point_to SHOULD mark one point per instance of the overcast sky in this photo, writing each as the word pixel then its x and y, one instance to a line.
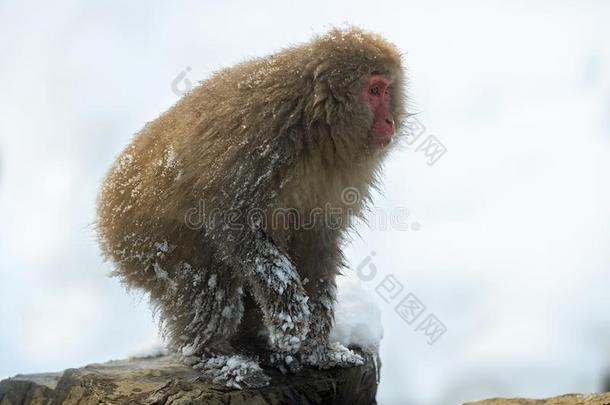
pixel 508 234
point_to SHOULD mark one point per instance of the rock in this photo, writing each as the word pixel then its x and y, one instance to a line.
pixel 163 380
pixel 569 399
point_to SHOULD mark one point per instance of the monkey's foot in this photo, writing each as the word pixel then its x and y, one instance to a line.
pixel 331 355
pixel 232 371
pixel 285 362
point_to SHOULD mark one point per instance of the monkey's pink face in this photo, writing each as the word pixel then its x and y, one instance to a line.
pixel 378 94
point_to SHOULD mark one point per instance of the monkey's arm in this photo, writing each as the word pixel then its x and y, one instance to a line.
pixel 255 173
pixel 277 289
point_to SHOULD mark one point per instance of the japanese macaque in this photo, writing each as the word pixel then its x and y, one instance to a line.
pixel 231 208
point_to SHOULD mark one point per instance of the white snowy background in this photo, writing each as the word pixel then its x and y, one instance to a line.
pixel 512 254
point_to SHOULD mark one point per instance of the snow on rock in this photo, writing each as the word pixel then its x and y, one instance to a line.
pixel 357 317
pixel 150 348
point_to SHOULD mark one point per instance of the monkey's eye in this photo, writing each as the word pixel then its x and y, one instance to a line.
pixel 375 90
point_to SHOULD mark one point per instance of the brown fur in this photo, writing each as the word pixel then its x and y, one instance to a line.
pixel 288 131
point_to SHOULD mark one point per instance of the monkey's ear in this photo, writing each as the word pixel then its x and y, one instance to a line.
pixel 320 70
pixel 316 106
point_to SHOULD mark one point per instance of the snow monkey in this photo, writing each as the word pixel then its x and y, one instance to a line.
pixel 220 209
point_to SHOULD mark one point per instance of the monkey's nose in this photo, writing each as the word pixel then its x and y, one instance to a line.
pixel 390 122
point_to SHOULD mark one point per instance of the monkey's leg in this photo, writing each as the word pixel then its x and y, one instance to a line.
pixel 200 311
pixel 318 351
pixel 277 289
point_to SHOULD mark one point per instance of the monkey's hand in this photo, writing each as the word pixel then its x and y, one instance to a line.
pixel 330 355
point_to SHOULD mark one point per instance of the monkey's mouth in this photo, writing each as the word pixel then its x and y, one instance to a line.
pixel 383 132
